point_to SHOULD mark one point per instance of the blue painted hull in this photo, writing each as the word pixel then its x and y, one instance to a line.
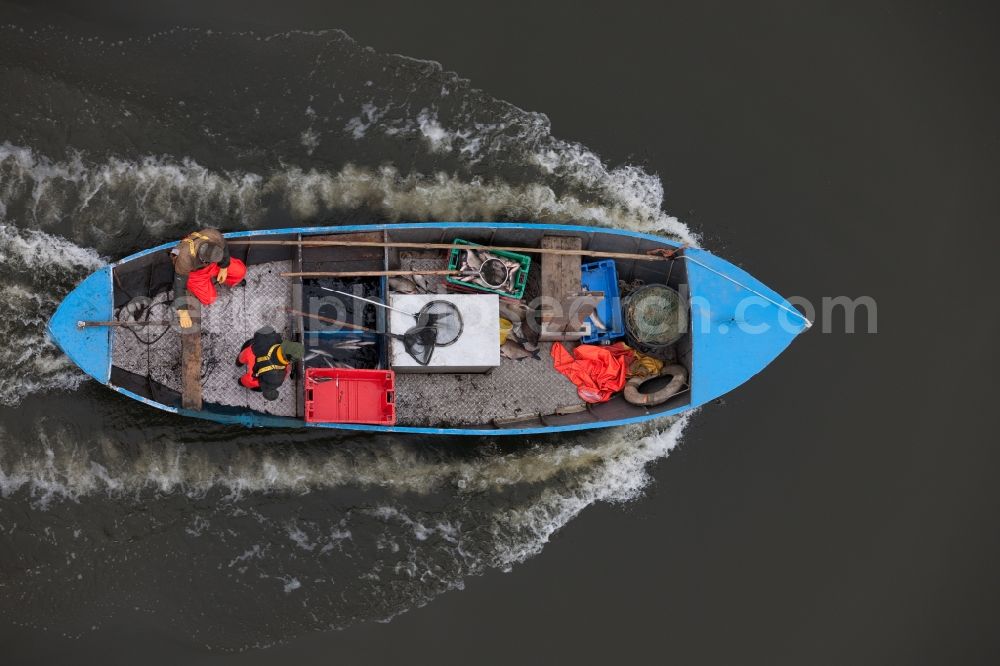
pixel 738 325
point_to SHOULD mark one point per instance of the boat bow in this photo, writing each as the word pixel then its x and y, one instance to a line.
pixel 738 325
pixel 89 348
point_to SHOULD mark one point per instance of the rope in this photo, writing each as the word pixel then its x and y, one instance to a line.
pixel 143 315
pixel 752 291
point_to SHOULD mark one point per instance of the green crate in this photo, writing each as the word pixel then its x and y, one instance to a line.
pixel 519 283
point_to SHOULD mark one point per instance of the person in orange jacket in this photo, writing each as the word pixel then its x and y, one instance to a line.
pixel 268 360
pixel 201 259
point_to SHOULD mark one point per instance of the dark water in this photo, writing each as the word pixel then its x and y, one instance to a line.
pixel 840 508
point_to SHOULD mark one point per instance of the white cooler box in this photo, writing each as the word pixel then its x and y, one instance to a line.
pixel 476 350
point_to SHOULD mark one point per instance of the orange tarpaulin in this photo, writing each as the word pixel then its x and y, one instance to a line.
pixel 598 372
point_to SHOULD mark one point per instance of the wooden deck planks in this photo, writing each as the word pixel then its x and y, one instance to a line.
pixel 191 370
pixel 561 274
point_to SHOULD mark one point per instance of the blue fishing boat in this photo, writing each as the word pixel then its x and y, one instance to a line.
pixel 515 367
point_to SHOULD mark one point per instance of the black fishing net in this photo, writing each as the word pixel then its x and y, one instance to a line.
pixel 445 318
pixel 419 343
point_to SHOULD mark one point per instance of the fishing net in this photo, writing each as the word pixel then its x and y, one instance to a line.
pixel 488 270
pixel 419 342
pixel 494 273
pixel 442 316
pixel 445 318
pixel 656 315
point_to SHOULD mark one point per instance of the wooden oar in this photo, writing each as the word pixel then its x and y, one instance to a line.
pixel 657 256
pixel 347 274
pixel 90 324
pixel 330 321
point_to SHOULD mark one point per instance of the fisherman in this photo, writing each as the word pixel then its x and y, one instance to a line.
pixel 268 360
pixel 200 257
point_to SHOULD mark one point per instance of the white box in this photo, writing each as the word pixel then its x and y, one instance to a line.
pixel 477 348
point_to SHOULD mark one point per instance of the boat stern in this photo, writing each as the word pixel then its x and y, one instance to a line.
pixel 738 325
pixel 89 348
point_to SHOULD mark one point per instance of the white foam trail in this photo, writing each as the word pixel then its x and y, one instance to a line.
pixel 445 197
pixel 509 532
pixel 30 250
pixel 359 125
pixel 101 199
pixel 620 475
pixel 627 196
pixel 69 470
pixel 105 198
pixel 438 138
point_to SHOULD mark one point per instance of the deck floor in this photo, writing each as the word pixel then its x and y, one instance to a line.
pixel 515 389
pixel 226 325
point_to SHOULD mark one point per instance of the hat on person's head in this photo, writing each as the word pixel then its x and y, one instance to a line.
pixel 270 394
pixel 293 350
pixel 210 253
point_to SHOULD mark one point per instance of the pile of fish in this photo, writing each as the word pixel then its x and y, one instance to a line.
pixel 411 284
pixel 522 341
pixel 350 344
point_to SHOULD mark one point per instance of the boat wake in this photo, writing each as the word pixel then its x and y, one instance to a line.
pixel 154 198
pixel 300 531
pixel 309 538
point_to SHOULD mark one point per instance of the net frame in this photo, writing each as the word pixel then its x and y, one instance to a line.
pixel 446 335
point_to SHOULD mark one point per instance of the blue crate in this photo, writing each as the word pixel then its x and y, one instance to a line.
pixel 603 276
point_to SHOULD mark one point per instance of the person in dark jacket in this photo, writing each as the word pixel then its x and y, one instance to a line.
pixel 201 258
pixel 269 360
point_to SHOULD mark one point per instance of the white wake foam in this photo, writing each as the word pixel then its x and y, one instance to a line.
pixel 69 470
pixel 618 475
pixel 165 196
pixel 102 199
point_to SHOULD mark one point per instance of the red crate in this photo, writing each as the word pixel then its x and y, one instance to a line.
pixel 335 395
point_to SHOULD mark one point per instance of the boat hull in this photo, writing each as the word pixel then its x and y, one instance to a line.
pixel 726 302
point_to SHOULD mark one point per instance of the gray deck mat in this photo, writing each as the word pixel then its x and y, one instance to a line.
pixel 516 388
pixel 226 325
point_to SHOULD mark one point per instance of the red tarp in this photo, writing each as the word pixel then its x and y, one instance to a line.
pixel 598 372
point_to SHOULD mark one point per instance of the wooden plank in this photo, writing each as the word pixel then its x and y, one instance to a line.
pixel 561 275
pixel 660 254
pixel 299 334
pixel 346 257
pixel 191 370
pixel 353 274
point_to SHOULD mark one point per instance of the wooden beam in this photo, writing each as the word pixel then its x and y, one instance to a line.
pixel 668 254
pixel 327 320
pixel 125 324
pixel 344 274
pixel 191 370
pixel 561 275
